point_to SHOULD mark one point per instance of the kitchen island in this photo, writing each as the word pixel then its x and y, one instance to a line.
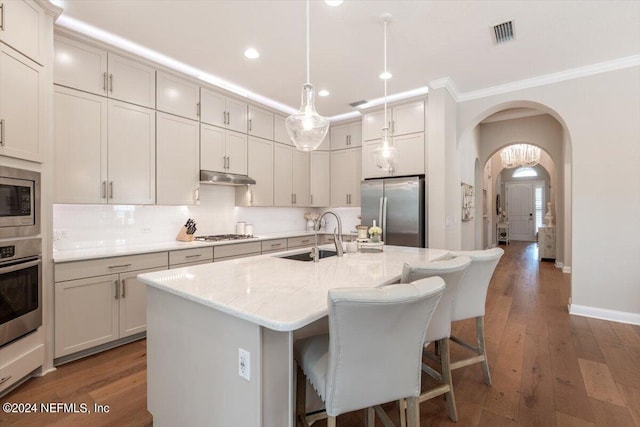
pixel 200 318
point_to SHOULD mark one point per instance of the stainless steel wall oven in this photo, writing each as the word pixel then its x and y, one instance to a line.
pixel 20 288
pixel 19 202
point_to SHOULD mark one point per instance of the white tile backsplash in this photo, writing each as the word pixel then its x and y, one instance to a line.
pixel 95 226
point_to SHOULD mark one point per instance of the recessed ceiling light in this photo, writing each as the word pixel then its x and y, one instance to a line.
pixel 323 92
pixel 333 3
pixel 251 53
pixel 385 75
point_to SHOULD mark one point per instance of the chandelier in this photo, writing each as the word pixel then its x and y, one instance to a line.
pixel 386 155
pixel 520 155
pixel 307 128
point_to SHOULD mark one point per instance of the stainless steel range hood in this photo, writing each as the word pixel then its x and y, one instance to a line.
pixel 224 178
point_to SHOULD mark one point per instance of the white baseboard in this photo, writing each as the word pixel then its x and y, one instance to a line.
pixel 564 268
pixel 605 314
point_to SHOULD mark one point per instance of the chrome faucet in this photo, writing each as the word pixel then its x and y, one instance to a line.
pixel 315 252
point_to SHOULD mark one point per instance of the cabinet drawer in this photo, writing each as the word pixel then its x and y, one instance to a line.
pixel 274 245
pixel 298 242
pixel 236 249
pixel 190 264
pixel 16 369
pixel 99 267
pixel 190 255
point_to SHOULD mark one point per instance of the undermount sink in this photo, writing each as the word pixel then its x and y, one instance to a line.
pixel 306 256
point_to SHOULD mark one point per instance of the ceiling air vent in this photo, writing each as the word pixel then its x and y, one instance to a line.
pixel 503 32
pixel 358 103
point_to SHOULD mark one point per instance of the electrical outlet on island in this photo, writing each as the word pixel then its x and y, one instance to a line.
pixel 244 364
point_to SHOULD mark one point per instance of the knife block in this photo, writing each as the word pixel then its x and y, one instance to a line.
pixel 183 236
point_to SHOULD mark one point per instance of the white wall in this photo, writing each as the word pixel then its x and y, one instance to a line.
pixel 600 115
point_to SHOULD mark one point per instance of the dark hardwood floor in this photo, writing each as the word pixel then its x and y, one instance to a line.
pixel 548 368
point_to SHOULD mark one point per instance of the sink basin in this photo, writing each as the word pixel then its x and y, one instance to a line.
pixel 306 256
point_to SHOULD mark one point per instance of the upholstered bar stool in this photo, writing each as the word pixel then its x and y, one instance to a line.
pixel 439 330
pixel 373 351
pixel 470 304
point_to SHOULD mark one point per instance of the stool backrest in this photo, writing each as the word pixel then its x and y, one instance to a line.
pixel 452 271
pixel 475 283
pixel 375 345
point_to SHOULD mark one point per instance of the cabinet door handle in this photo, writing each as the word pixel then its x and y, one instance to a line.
pixel 124 288
pixel 275 245
pixel 311 198
pixel 193 256
pixel 228 117
pixel 393 127
pixel 2 28
pixel 2 132
pixel 228 162
pixel 104 189
pixel 119 266
pixel 250 197
pixel 104 81
pixel 116 296
pixel 111 83
pixel 7 378
pixel 198 109
pixel 250 125
pixel 111 189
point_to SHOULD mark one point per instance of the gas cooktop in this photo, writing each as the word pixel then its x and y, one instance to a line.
pixel 223 237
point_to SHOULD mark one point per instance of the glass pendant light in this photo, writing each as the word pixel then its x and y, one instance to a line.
pixel 386 155
pixel 307 128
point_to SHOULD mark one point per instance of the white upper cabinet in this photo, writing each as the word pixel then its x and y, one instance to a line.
pixel 280 133
pixel 260 122
pixel 222 150
pixel 219 110
pixel 291 176
pixel 20 106
pixel 403 119
pixel 260 168
pixel 410 156
pixel 81 66
pixel 80 152
pixel 282 175
pixel 20 27
pixel 131 154
pixel 104 150
pixel 346 174
pixel 319 179
pixel 178 160
pixel 178 96
pixel 346 136
pixel 131 81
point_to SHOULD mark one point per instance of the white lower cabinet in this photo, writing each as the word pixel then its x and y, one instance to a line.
pixel 178 160
pixel 236 250
pixel 100 308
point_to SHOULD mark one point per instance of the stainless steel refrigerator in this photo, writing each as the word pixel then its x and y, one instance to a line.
pixel 398 207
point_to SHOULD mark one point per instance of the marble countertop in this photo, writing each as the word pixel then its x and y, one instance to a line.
pixel 282 294
pixel 69 255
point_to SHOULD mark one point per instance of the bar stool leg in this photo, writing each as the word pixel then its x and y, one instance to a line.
pixel 331 421
pixel 370 417
pixel 413 412
pixel 301 398
pixel 446 376
pixel 482 349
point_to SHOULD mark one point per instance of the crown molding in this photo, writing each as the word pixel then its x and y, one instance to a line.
pixel 574 73
pixel 50 8
pixel 446 83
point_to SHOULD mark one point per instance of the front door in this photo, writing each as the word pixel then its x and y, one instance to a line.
pixel 520 203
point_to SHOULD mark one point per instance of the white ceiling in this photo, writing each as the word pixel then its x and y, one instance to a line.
pixel 427 40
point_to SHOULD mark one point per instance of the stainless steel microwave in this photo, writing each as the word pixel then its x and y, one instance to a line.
pixel 19 202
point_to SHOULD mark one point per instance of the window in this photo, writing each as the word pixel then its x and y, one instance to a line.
pixel 539 204
pixel 524 172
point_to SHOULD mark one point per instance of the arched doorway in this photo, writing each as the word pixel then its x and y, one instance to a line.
pixel 536 124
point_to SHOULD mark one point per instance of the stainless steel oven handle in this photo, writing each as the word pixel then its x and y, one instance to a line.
pixel 20 266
